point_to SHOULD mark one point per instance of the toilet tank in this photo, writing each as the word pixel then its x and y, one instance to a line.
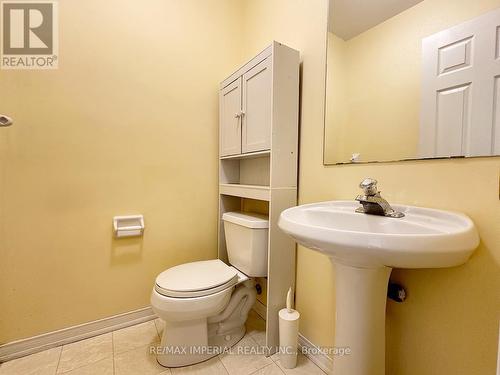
pixel 246 242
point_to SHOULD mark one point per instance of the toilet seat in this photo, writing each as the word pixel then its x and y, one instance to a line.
pixel 196 279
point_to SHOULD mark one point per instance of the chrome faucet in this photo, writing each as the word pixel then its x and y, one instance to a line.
pixel 372 202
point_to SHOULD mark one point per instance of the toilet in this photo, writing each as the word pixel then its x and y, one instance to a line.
pixel 205 304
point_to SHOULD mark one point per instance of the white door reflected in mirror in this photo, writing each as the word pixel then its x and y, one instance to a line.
pixel 412 80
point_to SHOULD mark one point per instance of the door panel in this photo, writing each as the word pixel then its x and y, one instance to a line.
pixel 460 90
pixel 230 119
pixel 452 121
pixel 256 121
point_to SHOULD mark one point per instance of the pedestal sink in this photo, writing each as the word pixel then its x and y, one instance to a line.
pixel 364 249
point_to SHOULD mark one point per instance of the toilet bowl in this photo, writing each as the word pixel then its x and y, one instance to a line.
pixel 205 304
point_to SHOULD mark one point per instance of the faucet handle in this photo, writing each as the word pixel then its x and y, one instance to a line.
pixel 369 186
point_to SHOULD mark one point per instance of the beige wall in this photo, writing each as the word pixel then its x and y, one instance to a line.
pixel 128 124
pixel 449 325
pixel 337 132
pixel 378 96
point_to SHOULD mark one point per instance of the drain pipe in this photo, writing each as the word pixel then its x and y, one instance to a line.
pixel 396 292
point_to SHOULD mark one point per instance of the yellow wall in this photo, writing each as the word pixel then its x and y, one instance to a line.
pixel 449 325
pixel 128 124
pixel 379 92
pixel 337 102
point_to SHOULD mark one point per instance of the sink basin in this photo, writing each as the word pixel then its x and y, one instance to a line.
pixel 423 238
pixel 364 249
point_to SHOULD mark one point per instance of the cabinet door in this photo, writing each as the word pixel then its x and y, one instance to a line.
pixel 230 119
pixel 256 119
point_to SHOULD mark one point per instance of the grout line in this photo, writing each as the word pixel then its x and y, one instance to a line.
pixel 309 360
pixel 255 341
pixel 59 359
pixel 157 330
pixel 149 345
pixel 113 343
pixel 320 369
pixel 258 345
pixel 138 347
pixel 279 368
pixel 266 366
pixel 222 363
pixel 86 364
pixel 113 349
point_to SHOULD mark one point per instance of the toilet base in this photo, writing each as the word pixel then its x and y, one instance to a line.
pixel 180 355
pixel 185 343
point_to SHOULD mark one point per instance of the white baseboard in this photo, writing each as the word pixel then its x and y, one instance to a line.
pixel 315 355
pixel 31 345
pixel 260 309
pixel 65 336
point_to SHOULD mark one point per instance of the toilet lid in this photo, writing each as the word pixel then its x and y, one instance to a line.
pixel 196 279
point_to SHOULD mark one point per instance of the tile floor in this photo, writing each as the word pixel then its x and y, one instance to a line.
pixel 126 352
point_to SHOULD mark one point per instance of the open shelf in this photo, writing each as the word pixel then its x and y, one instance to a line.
pixel 246 191
pixel 246 156
pixel 250 171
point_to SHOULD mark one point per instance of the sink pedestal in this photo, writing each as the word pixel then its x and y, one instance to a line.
pixel 361 295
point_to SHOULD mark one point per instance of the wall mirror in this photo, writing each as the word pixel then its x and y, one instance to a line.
pixel 412 79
